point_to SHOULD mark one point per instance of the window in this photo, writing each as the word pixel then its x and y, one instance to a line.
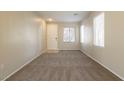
pixel 69 34
pixel 82 34
pixel 99 30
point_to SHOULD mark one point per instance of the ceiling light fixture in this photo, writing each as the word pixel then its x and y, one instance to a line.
pixel 50 19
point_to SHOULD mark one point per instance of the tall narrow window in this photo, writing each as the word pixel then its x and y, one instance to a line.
pixel 99 30
pixel 82 34
pixel 69 34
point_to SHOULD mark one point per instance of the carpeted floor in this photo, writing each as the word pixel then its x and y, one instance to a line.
pixel 63 66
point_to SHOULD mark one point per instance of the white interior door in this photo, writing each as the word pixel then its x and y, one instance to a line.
pixel 52 36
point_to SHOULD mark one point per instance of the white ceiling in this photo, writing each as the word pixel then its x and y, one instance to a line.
pixel 64 16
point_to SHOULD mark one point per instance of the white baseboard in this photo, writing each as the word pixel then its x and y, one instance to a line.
pixel 45 50
pixel 23 65
pixel 102 65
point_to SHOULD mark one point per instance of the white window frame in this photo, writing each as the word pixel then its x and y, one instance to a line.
pixel 69 36
pixel 98 24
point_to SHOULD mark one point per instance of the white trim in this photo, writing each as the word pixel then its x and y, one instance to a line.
pixel 45 50
pixel 102 65
pixel 52 51
pixel 23 65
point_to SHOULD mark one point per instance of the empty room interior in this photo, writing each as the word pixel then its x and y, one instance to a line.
pixel 61 46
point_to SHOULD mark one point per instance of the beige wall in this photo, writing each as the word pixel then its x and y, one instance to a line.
pixel 68 46
pixel 112 55
pixel 22 38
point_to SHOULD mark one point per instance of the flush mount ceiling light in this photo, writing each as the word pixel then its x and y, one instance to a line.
pixel 50 19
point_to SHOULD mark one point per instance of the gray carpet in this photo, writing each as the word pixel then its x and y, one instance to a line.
pixel 63 66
